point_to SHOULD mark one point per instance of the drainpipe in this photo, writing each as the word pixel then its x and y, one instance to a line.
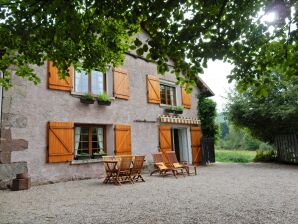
pixel 1 103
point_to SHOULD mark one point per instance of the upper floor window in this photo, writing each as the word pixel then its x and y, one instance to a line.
pixel 93 83
pixel 168 94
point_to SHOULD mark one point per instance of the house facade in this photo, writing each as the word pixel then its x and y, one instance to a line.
pixel 54 136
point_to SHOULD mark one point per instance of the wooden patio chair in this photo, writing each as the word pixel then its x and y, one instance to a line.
pixel 160 166
pixel 124 171
pixel 137 167
pixel 111 172
pixel 173 162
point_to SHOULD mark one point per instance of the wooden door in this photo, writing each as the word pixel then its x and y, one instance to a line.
pixel 165 140
pixel 196 135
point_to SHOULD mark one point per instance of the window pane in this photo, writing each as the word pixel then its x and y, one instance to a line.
pixel 81 82
pixel 163 94
pixel 84 131
pixel 169 102
pixel 171 95
pixel 97 82
pixel 84 145
pixel 94 145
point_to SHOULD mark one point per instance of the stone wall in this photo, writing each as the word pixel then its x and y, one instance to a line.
pixel 28 108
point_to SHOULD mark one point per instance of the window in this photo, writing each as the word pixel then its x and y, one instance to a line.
pixel 168 95
pixel 93 84
pixel 89 141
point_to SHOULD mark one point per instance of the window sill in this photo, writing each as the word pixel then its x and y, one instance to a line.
pixel 76 94
pixel 166 105
pixel 85 161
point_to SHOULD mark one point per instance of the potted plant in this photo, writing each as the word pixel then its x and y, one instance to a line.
pixel 97 155
pixel 174 110
pixel 170 109
pixel 179 110
pixel 104 99
pixel 82 156
pixel 87 99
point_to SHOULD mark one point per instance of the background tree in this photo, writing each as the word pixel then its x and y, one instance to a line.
pixel 224 129
pixel 93 33
pixel 267 116
pixel 207 115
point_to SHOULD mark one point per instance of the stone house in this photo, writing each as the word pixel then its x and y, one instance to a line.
pixel 49 132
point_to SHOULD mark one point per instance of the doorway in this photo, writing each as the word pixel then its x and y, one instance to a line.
pixel 181 144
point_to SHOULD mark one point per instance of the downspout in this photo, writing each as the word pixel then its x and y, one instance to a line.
pixel 1 90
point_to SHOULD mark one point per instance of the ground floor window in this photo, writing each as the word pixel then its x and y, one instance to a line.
pixel 89 141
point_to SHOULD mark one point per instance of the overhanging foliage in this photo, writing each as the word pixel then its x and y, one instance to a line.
pixel 93 33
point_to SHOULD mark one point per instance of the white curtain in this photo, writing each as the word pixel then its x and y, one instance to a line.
pixel 100 139
pixel 77 139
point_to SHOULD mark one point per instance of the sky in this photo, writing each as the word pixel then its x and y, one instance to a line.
pixel 215 76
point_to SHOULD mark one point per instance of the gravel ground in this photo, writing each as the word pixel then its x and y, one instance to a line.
pixel 220 193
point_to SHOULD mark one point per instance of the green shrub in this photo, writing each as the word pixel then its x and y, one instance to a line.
pixel 265 146
pixel 265 155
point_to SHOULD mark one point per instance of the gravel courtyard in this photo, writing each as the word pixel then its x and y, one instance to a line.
pixel 220 193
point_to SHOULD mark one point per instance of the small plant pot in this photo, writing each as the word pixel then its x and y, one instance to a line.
pixel 82 157
pixel 178 112
pixel 105 103
pixel 87 101
pixel 169 111
pixel 97 156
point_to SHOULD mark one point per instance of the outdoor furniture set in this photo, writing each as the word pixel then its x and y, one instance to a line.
pixel 168 162
pixel 126 168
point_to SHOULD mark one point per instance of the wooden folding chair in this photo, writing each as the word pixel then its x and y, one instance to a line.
pixel 160 166
pixel 110 168
pixel 137 167
pixel 124 171
pixel 173 162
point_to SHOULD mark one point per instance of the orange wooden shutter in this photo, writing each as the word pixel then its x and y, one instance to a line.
pixel 121 83
pixel 196 135
pixel 54 82
pixel 186 101
pixel 61 139
pixel 153 89
pixel 122 140
pixel 165 140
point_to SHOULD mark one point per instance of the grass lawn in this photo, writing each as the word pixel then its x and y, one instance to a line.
pixel 234 156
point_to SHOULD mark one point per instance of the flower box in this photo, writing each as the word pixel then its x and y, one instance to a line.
pixel 105 103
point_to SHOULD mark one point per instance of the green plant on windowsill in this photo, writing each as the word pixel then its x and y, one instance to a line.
pixel 175 109
pixel 82 156
pixel 97 155
pixel 104 99
pixel 87 99
pixel 179 109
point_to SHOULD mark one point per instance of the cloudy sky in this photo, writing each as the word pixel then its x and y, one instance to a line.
pixel 215 77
